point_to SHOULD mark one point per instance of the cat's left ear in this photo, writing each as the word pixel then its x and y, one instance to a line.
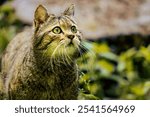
pixel 69 11
pixel 40 15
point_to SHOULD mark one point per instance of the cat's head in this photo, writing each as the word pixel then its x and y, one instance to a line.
pixel 56 36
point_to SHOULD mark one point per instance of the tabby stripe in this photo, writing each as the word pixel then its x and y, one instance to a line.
pixel 63 22
pixel 39 40
pixel 70 19
pixel 45 46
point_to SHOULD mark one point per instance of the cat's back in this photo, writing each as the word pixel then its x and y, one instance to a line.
pixel 16 49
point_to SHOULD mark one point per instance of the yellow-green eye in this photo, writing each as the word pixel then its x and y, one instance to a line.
pixel 57 30
pixel 74 29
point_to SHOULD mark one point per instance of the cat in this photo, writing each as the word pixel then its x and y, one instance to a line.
pixel 40 64
pixel 1 88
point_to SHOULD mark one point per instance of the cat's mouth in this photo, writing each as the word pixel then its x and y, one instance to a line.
pixel 70 43
pixel 73 42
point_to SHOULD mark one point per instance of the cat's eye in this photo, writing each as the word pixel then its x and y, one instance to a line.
pixel 74 29
pixel 57 30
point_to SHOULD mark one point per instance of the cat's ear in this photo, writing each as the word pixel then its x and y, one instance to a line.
pixel 40 15
pixel 69 11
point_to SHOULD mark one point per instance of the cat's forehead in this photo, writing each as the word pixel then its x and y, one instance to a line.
pixel 66 20
pixel 62 21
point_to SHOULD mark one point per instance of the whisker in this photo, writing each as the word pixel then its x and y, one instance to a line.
pixel 57 48
pixel 63 55
pixel 51 63
pixel 86 49
pixel 55 59
pixel 87 52
pixel 66 56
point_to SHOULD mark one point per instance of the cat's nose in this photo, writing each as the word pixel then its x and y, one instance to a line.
pixel 70 36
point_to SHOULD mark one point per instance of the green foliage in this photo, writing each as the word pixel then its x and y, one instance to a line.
pixel 9 25
pixel 108 75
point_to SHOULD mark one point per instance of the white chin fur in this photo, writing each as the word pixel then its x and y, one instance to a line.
pixel 75 41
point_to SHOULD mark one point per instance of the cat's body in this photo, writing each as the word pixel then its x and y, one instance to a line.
pixel 41 63
pixel 1 88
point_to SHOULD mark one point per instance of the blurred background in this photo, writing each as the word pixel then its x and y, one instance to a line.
pixel 118 33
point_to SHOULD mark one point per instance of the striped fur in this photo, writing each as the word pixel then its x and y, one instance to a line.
pixel 40 64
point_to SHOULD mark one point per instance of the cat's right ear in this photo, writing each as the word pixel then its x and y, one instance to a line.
pixel 70 10
pixel 40 16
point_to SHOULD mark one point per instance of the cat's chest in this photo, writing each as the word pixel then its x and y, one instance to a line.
pixel 60 80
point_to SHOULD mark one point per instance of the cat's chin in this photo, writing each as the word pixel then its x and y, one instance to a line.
pixel 68 50
pixel 70 45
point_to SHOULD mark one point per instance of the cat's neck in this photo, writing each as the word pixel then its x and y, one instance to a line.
pixel 44 63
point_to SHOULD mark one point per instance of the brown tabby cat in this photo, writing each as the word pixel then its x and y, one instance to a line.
pixel 1 88
pixel 41 63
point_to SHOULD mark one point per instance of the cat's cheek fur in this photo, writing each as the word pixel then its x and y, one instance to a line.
pixel 76 42
pixel 71 50
pixel 52 49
